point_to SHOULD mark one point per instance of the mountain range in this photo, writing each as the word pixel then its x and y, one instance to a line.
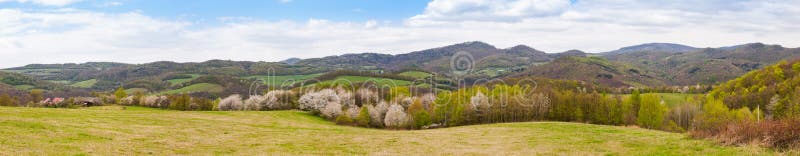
pixel 652 64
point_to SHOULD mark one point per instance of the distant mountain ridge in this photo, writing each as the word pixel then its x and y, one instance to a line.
pixel 653 47
pixel 650 64
pixel 706 65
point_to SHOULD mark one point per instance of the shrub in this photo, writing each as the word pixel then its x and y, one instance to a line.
pixel 128 101
pixel 215 104
pixel 344 119
pixel 377 113
pixel 397 92
pixel 406 101
pixel 316 101
pixel 714 117
pixel 202 104
pixel 781 134
pixel 363 117
pixel 163 102
pixel 396 117
pixel 352 112
pixel 120 93
pixel 365 96
pixel 150 101
pixel 254 103
pixel 87 101
pixel 428 101
pixel 278 100
pixel 346 98
pixel 181 102
pixel 421 119
pixel 332 110
pixel 231 103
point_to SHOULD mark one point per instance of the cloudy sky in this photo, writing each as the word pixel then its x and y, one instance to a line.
pixel 138 31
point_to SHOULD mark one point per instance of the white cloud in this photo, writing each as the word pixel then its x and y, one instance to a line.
pixel 491 10
pixel 109 4
pixel 70 35
pixel 45 2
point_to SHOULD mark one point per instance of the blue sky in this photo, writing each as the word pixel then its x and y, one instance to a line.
pixel 140 31
pixel 342 10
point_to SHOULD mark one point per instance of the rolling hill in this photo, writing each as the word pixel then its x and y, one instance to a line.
pixel 681 66
pixel 652 64
pixel 594 70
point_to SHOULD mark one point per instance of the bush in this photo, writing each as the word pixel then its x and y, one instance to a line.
pixel 781 134
pixel 428 101
pixel 363 117
pixel 332 110
pixel 150 101
pixel 231 103
pixel 396 117
pixel 365 96
pixel 421 119
pixel 377 113
pixel 352 112
pixel 346 98
pixel 201 104
pixel 254 103
pixel 181 102
pixel 344 119
pixel 128 101
pixel 279 100
pixel 316 101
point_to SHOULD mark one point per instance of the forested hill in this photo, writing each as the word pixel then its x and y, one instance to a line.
pixel 681 65
pixel 653 64
pixel 775 88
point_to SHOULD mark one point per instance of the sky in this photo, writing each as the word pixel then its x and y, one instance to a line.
pixel 139 31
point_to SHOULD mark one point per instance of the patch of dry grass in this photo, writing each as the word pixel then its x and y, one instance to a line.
pixel 137 131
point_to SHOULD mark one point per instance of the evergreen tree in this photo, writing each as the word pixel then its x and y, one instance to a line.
pixel 363 117
pixel 119 94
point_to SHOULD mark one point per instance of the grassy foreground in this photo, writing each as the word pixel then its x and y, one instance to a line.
pixel 136 131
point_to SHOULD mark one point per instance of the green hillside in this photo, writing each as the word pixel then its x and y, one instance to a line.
pixel 84 84
pixel 416 74
pixel 362 79
pixel 184 80
pixel 111 130
pixel 280 80
pixel 200 87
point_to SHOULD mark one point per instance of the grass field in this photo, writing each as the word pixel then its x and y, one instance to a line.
pixel 111 130
pixel 84 84
pixel 180 81
pixel 359 79
pixel 416 74
pixel 24 87
pixel 280 80
pixel 200 87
